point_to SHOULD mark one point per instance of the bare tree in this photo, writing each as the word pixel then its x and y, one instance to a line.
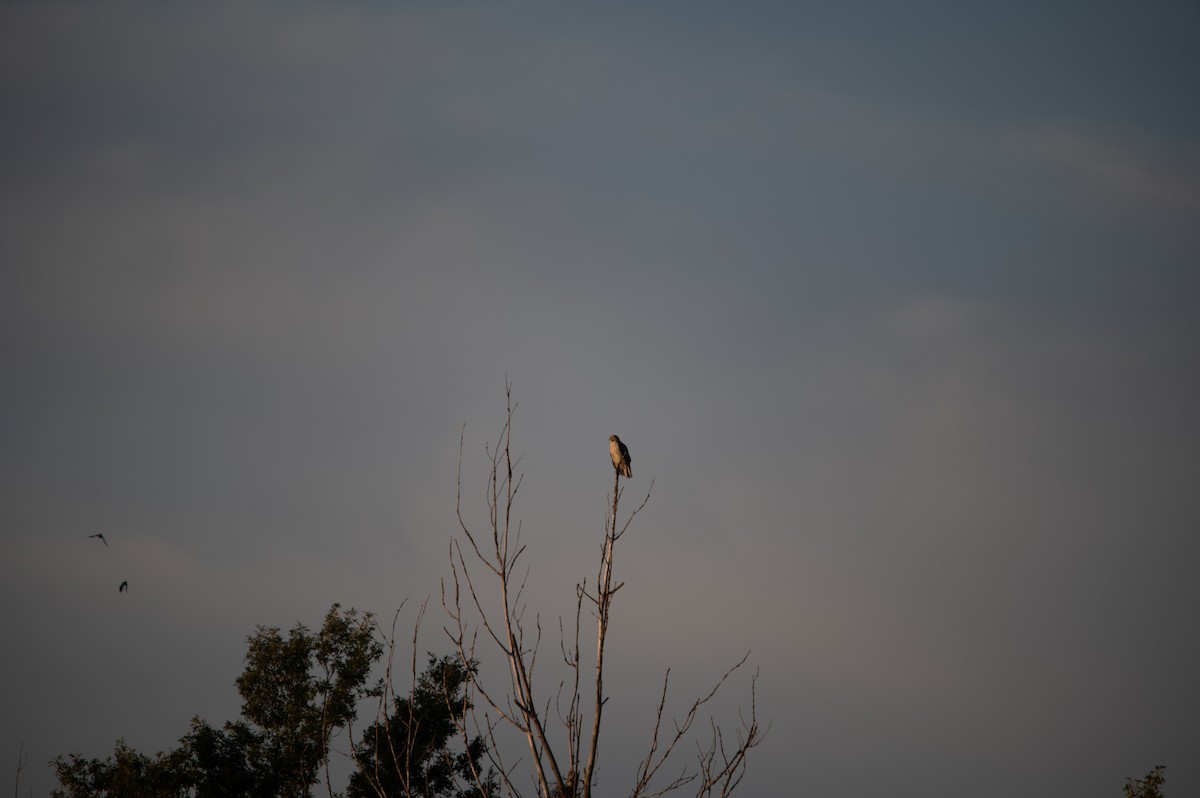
pixel 563 758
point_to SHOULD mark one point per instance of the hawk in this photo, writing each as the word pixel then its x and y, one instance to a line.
pixel 620 456
pixel 123 588
pixel 101 536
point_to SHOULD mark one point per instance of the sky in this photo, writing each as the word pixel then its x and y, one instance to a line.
pixel 895 304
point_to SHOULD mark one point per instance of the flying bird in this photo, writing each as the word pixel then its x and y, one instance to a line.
pixel 101 536
pixel 124 588
pixel 620 456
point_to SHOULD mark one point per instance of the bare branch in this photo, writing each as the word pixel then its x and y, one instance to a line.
pixel 719 766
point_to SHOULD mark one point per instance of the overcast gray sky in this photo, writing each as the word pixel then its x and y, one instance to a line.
pixel 895 303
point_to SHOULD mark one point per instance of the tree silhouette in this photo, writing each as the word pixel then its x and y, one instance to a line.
pixel 296 691
pixel 1147 787
pixel 411 752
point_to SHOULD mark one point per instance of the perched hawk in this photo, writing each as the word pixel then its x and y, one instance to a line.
pixel 620 456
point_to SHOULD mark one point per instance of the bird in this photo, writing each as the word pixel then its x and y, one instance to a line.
pixel 101 536
pixel 124 588
pixel 620 456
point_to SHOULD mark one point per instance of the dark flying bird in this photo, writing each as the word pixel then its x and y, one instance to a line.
pixel 620 456
pixel 124 588
pixel 101 536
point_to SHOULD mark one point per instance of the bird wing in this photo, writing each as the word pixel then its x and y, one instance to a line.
pixel 620 456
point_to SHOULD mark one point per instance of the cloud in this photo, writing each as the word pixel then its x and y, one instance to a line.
pixel 1122 177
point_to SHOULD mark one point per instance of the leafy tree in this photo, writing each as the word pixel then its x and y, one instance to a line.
pixel 1147 787
pixel 126 773
pixel 296 692
pixel 299 689
pixel 224 762
pixel 409 753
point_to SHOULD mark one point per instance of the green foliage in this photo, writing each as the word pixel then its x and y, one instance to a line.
pixel 409 753
pixel 296 692
pixel 300 688
pixel 126 774
pixel 225 762
pixel 1147 787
